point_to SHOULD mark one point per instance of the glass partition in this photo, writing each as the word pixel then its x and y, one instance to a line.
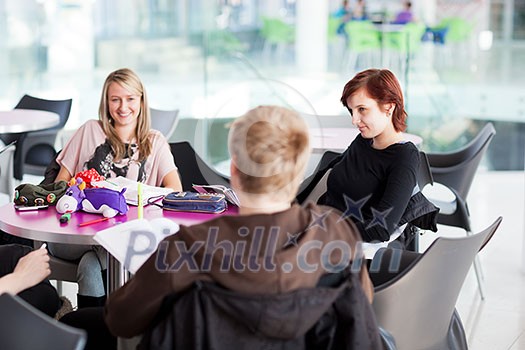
pixel 214 59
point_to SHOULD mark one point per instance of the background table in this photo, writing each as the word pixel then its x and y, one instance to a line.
pixel 44 225
pixel 25 120
pixel 21 121
pixel 338 139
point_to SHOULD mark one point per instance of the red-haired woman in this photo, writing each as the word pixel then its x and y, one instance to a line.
pixel 374 181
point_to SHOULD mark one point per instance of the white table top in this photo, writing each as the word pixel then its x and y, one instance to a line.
pixel 338 139
pixel 24 120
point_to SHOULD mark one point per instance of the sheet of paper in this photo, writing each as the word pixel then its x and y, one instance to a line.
pixel 133 242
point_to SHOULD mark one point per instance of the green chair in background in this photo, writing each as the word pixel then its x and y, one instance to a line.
pixel 336 42
pixel 405 43
pixel 454 35
pixel 223 43
pixel 407 40
pixel 364 38
pixel 276 32
pixel 333 24
pixel 455 30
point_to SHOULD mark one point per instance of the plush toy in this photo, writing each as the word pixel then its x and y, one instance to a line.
pixel 92 200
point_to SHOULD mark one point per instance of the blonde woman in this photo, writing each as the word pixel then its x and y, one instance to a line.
pixel 119 143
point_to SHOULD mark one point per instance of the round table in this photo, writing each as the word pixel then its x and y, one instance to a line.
pixel 24 120
pixel 44 225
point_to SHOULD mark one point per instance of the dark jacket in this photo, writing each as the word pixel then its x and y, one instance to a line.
pixel 211 317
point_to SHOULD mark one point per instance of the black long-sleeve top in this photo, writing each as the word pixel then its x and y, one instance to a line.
pixel 373 187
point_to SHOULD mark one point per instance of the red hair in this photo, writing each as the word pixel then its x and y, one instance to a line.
pixel 382 86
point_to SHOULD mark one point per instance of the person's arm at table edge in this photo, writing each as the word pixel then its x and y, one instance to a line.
pixel 172 180
pixel 30 270
pixel 63 174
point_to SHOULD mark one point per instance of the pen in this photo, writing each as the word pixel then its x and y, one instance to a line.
pixel 86 223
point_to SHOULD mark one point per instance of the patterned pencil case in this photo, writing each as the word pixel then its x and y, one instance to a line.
pixel 195 202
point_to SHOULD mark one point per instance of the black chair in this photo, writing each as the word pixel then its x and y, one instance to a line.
pixel 35 150
pixel 314 182
pixel 416 302
pixel 24 327
pixel 456 170
pixel 424 175
pixel 193 169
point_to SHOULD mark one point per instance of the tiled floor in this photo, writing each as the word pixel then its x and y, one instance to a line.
pixel 498 323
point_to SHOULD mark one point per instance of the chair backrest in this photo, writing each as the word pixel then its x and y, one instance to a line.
pixel 311 182
pixel 333 24
pixel 193 169
pixel 277 31
pixel 164 121
pixel 51 171
pixel 407 40
pixel 24 327
pixel 417 305
pixel 457 169
pixel 458 29
pixel 60 107
pixel 424 176
pixel 319 189
pixel 363 36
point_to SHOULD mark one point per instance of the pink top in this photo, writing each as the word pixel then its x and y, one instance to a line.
pixel 88 149
pixel 44 225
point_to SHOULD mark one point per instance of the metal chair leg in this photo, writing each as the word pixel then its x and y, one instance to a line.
pixel 59 287
pixel 479 276
pixel 479 273
pixel 477 262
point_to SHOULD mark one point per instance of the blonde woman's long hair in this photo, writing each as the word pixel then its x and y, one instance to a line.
pixel 130 81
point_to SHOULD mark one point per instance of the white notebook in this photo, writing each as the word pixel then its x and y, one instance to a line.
pixel 131 194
